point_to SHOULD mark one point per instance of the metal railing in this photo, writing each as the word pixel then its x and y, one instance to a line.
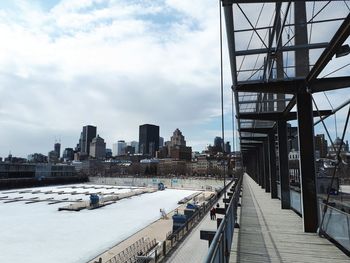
pixel 336 226
pixel 175 238
pixel 219 250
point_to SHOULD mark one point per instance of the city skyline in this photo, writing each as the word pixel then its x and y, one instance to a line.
pixel 114 65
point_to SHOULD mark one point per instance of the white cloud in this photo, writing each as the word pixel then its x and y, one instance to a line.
pixel 114 64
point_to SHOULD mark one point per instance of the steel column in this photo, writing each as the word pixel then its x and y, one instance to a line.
pixel 283 163
pixel 272 161
pixel 307 162
pixel 305 127
pixel 267 166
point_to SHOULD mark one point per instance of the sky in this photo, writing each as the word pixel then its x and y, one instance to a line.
pixel 115 64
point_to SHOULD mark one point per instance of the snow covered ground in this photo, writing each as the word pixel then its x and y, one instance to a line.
pixel 345 189
pixel 38 232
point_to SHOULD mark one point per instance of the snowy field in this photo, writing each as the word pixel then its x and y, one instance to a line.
pixel 345 189
pixel 38 232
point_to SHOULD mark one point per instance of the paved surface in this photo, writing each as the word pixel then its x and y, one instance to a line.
pixel 270 234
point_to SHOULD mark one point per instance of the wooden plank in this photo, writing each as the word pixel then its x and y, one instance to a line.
pixel 270 234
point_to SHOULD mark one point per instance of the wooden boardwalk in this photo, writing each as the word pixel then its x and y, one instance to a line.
pixel 270 234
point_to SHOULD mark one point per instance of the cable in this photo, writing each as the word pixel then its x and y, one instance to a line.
pixel 336 70
pixel 233 122
pixel 347 5
pixel 313 12
pixel 222 95
pixel 335 115
pixel 324 125
pixel 251 37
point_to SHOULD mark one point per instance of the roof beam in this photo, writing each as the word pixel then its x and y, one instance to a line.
pixel 293 86
pixel 290 86
pixel 336 42
pixel 283 49
pixel 275 116
pixel 256 130
pixel 259 138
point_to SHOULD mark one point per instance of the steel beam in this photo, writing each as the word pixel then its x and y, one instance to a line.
pixel 282 49
pixel 325 84
pixel 290 86
pixel 275 116
pixel 283 163
pixel 256 130
pixel 259 138
pixel 338 39
pixel 334 111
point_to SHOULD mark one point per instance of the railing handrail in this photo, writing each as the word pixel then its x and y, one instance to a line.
pixel 334 208
pixel 219 233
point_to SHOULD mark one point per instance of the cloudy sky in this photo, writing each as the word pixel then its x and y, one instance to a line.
pixel 115 64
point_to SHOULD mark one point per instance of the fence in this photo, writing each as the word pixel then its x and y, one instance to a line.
pixel 219 249
pixel 336 226
pixel 142 247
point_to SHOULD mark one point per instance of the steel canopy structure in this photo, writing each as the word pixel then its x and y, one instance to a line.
pixel 281 53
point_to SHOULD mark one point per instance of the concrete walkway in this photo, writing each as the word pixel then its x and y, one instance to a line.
pixel 269 234
pixel 193 249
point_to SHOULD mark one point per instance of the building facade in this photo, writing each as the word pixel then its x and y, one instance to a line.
pixel 68 154
pixel 321 146
pixel 86 136
pixel 148 139
pixel 98 148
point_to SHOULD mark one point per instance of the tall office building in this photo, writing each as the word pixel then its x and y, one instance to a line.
pixel 98 148
pixel 148 139
pixel 135 144
pixel 218 144
pixel 161 142
pixel 86 136
pixel 57 149
pixel 121 145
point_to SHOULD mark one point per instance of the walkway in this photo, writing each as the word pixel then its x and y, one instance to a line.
pixel 193 249
pixel 270 234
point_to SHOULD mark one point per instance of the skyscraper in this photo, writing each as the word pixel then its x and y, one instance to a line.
pixel 57 149
pixel 121 147
pixel 98 148
pixel 88 133
pixel 218 144
pixel 148 139
pixel 135 145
